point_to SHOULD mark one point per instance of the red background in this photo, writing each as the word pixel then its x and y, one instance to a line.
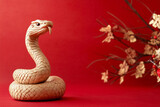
pixel 70 48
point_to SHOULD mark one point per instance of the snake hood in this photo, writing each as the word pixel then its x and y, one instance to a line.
pixel 39 27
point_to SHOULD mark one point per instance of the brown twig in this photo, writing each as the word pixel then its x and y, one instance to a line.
pixel 100 35
pixel 125 44
pixel 95 62
pixel 135 11
pixel 142 39
pixel 118 19
pixel 145 6
pixel 115 79
pixel 137 27
pixel 100 23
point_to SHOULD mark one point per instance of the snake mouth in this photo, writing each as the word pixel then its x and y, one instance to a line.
pixel 49 26
pixel 50 29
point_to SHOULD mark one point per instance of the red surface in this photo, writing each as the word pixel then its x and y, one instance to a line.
pixel 70 49
pixel 91 96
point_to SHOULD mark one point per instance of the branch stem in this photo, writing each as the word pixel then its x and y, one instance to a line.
pixel 135 11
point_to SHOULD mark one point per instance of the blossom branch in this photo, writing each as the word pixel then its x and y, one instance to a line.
pixel 133 61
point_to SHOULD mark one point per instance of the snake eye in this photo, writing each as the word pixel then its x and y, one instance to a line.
pixel 38 24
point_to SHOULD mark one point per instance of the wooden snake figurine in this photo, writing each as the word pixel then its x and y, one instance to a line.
pixel 36 83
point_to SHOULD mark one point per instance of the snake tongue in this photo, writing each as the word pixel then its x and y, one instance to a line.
pixel 50 29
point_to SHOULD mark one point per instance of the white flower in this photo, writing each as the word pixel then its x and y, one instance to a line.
pixel 108 30
pixel 129 35
pixel 140 70
pixel 132 39
pixel 155 22
pixel 121 79
pixel 131 53
pixel 105 29
pixel 158 79
pixel 148 50
pixel 153 72
pixel 108 38
pixel 105 76
pixel 123 70
pixel 157 53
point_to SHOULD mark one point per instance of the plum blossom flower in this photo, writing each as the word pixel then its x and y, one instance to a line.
pixel 123 70
pixel 140 70
pixel 132 39
pixel 153 72
pixel 155 22
pixel 107 30
pixel 130 61
pixel 118 29
pixel 108 38
pixel 157 53
pixel 154 42
pixel 148 50
pixel 157 34
pixel 129 35
pixel 131 54
pixel 105 76
pixel 115 27
pixel 158 79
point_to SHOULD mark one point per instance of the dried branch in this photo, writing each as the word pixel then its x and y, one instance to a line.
pixel 142 39
pixel 100 22
pixel 117 19
pixel 135 11
pixel 95 62
pixel 100 35
pixel 133 61
pixel 145 6
pixel 125 44
pixel 137 27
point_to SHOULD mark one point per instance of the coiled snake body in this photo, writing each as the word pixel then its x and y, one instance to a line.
pixel 36 83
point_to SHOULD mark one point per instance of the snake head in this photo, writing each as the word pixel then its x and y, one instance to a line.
pixel 39 27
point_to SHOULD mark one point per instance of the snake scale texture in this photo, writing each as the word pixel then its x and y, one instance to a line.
pixel 36 83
